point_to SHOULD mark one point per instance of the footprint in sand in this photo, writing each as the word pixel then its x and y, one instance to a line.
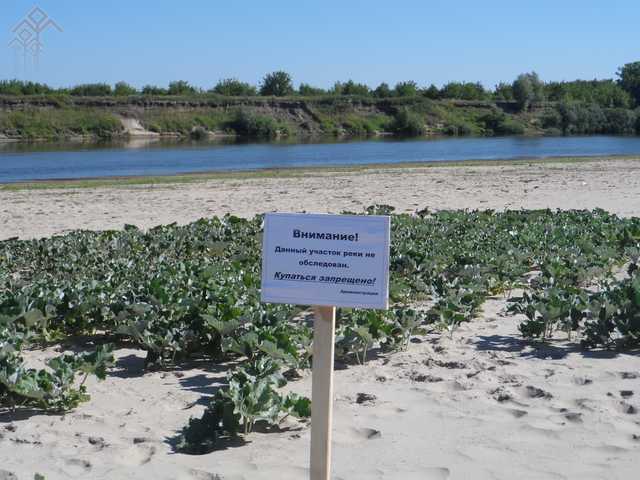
pixel 624 407
pixel 353 435
pixel 425 473
pixel 200 475
pixel 514 413
pixel 534 392
pixel 76 467
pixel 566 417
pixel 137 455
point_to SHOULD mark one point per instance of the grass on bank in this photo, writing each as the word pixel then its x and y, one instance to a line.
pixel 289 173
pixel 33 122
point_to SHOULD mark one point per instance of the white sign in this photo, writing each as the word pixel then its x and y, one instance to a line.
pixel 326 260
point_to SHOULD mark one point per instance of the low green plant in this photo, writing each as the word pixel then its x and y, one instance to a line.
pixel 458 128
pixel 249 398
pixel 617 315
pixel 247 122
pixel 198 133
pixel 408 122
pixel 50 390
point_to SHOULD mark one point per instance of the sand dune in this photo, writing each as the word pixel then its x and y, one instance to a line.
pixel 483 404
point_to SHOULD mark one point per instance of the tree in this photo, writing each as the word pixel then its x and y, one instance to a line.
pixel 538 88
pixel 464 91
pixel 181 87
pixel 153 90
pixel 278 84
pixel 337 88
pixel 408 122
pixel 630 80
pixel 309 91
pixel 522 91
pixel 383 91
pixel 432 92
pixel 495 118
pixel 92 90
pixel 123 89
pixel 232 87
pixel 407 89
pixel 527 89
pixel 352 88
pixel 568 116
pixel 503 91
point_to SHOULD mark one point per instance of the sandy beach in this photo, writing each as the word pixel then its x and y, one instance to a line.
pixel 483 404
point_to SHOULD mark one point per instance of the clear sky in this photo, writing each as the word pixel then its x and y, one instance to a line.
pixel 318 42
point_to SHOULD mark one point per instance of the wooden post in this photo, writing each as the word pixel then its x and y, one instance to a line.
pixel 322 392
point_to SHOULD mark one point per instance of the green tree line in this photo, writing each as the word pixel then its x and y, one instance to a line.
pixel 598 106
pixel 526 90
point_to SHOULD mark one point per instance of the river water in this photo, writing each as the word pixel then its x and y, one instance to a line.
pixel 23 161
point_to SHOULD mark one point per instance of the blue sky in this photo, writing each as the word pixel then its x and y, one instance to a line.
pixel 202 41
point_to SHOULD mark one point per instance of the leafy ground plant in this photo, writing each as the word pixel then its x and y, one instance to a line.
pixel 249 398
pixel 177 291
pixel 50 390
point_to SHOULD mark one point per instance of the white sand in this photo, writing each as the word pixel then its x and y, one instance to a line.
pixel 483 405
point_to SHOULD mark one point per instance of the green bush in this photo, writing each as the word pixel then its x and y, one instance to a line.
pixel 247 122
pixel 594 119
pixel 151 90
pixel 494 118
pixel 504 92
pixel 309 91
pixel 91 90
pixel 330 126
pixel 336 89
pixel 458 128
pixel 371 123
pixel 198 133
pixel 408 122
pixel 17 87
pixel 407 89
pixel 181 87
pixel 123 89
pixel 528 90
pixel 464 91
pixel 450 129
pixel 511 128
pixel 352 88
pixel 277 84
pixel 432 92
pixel 605 93
pixel 498 122
pixel 620 120
pixel 232 87
pixel 11 87
pixel 383 91
pixel 568 116
pixel 629 80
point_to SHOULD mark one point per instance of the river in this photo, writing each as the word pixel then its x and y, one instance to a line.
pixel 24 161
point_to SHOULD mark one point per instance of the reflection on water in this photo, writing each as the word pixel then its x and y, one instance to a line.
pixel 20 161
pixel 183 142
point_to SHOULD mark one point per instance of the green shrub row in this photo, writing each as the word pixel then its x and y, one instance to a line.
pixel 621 93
